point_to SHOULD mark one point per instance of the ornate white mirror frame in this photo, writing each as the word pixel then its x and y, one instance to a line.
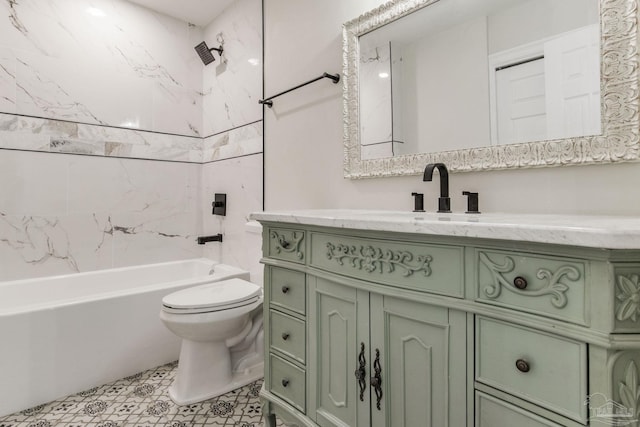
pixel 620 96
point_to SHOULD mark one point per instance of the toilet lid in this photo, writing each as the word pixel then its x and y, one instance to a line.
pixel 214 296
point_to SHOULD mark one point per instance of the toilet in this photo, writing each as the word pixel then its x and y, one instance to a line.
pixel 220 324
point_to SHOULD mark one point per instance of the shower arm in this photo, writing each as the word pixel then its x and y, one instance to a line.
pixel 268 101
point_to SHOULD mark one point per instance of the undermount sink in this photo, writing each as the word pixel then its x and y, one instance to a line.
pixel 419 216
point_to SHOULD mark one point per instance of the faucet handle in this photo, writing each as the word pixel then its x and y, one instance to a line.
pixel 472 202
pixel 418 202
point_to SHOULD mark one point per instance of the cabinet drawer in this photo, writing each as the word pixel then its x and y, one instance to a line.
pixel 424 267
pixel 288 382
pixel 287 289
pixel 493 412
pixel 539 367
pixel 287 335
pixel 549 286
pixel 286 244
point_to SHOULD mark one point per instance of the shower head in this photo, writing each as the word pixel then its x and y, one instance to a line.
pixel 204 52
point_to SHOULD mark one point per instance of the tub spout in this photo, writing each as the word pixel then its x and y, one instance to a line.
pixel 204 239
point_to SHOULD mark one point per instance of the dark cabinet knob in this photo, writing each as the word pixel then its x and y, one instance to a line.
pixel 285 289
pixel 520 282
pixel 285 382
pixel 375 382
pixel 522 365
pixel 285 336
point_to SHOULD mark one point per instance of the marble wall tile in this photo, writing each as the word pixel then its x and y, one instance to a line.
pixel 61 145
pixel 234 143
pixel 126 85
pixel 233 86
pixel 141 238
pixel 30 133
pixel 32 246
pixel 241 180
pixel 94 213
pixel 33 184
pixel 100 62
pixel 98 185
pixel 7 80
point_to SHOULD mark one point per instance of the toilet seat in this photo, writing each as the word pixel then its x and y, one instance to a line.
pixel 212 297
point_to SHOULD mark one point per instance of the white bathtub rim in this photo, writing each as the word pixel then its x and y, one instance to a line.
pixel 70 301
pixel 110 269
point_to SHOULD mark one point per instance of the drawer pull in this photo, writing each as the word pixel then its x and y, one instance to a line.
pixel 285 289
pixel 520 282
pixel 376 380
pixel 285 382
pixel 285 336
pixel 361 372
pixel 523 366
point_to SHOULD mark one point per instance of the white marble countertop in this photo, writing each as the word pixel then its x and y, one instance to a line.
pixel 610 232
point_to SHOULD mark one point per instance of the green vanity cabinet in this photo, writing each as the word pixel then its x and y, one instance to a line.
pixel 372 327
pixel 364 306
pixel 417 351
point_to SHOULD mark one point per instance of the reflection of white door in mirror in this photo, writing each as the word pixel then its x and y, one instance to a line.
pixel 573 83
pixel 550 89
pixel 520 103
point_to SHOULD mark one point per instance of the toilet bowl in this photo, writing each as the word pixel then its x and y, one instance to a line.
pixel 220 324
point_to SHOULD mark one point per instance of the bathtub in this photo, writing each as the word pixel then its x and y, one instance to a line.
pixel 64 334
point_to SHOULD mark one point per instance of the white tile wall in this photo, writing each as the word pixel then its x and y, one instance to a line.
pixel 241 180
pixel 129 67
pixel 232 88
pixel 234 143
pixel 66 213
pixel 120 88
pixel 232 123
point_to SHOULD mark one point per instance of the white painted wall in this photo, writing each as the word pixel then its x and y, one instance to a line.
pixel 538 19
pixel 303 137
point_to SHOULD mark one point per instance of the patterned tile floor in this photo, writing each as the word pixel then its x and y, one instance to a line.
pixel 142 401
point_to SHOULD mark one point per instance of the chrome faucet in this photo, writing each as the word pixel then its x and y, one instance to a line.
pixel 444 202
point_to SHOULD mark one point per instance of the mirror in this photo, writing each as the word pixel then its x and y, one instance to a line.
pixel 486 85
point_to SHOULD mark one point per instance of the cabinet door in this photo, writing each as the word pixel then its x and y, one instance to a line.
pixel 423 360
pixel 338 324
